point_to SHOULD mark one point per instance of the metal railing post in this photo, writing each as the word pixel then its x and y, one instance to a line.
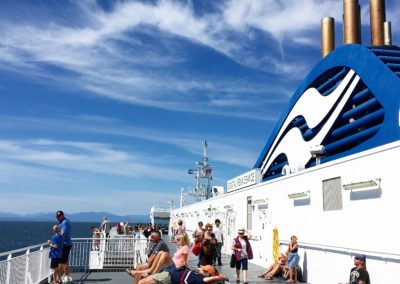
pixel 8 272
pixel 27 266
pixel 40 262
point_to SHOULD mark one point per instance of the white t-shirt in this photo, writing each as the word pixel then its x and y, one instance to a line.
pixel 218 233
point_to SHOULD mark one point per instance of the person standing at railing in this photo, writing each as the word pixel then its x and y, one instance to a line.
pixel 105 226
pixel 293 259
pixel 65 231
pixel 55 253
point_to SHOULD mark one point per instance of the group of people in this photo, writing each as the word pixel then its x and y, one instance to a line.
pixel 60 248
pixel 209 241
pixel 161 268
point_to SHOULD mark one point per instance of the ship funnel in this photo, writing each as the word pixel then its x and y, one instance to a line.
pixel 327 36
pixel 377 18
pixel 387 28
pixel 351 22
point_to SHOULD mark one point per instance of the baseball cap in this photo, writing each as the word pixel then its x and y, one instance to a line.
pixel 360 257
pixel 59 213
pixel 208 269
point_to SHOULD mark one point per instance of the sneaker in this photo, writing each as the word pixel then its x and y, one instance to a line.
pixel 64 279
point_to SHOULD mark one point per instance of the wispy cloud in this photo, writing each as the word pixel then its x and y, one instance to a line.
pixel 238 154
pixel 85 157
pixel 128 52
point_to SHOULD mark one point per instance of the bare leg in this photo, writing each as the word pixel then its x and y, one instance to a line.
pixel 268 270
pixel 147 270
pixel 237 274
pixel 273 272
pixel 164 260
pixel 143 265
pixel 244 275
pixel 147 280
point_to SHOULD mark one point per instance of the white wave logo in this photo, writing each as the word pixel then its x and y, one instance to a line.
pixel 314 108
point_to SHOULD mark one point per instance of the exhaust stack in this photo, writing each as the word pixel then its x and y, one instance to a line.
pixel 387 31
pixel 351 22
pixel 327 36
pixel 377 18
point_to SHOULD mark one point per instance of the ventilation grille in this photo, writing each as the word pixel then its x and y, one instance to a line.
pixel 332 194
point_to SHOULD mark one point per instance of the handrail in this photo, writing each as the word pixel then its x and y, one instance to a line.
pixel 32 264
pixel 22 250
pixel 375 254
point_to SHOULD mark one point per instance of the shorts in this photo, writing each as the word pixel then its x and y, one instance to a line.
pixel 161 278
pixel 54 262
pixel 293 260
pixel 244 263
pixel 65 254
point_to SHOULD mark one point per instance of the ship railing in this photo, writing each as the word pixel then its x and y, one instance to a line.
pixel 32 264
pixel 382 256
pixel 162 209
pixel 113 252
pixel 25 265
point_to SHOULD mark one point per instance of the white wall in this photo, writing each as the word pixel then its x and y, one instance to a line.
pixel 329 238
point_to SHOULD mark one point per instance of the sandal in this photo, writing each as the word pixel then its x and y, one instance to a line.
pixel 129 271
pixel 144 275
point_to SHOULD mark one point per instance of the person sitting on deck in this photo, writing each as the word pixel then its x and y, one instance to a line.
pixel 276 268
pixel 164 262
pixel 158 246
pixel 206 274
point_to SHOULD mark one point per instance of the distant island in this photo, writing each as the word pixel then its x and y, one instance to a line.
pixel 76 217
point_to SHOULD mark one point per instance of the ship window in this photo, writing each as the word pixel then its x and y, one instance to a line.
pixel 249 213
pixel 332 192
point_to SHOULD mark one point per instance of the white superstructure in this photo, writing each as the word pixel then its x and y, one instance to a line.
pixel 328 173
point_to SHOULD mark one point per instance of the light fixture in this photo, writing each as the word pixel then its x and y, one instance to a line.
pixel 260 201
pixel 362 184
pixel 300 195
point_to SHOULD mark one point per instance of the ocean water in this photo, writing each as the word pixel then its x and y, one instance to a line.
pixel 19 234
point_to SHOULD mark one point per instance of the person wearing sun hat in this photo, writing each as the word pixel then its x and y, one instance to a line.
pixel 359 273
pixel 243 252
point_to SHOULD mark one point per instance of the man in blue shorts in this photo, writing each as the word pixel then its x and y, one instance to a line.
pixel 65 232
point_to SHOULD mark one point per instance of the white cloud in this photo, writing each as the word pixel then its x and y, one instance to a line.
pixel 85 157
pixel 93 153
pixel 91 53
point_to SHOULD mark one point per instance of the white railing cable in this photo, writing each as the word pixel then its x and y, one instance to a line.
pixel 346 250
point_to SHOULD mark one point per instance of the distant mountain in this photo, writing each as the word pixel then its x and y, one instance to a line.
pixel 76 217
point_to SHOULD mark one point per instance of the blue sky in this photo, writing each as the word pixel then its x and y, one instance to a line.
pixel 104 104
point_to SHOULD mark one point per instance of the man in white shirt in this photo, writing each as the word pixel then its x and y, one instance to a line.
pixel 217 230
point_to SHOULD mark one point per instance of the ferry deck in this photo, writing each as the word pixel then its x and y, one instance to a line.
pixel 120 276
